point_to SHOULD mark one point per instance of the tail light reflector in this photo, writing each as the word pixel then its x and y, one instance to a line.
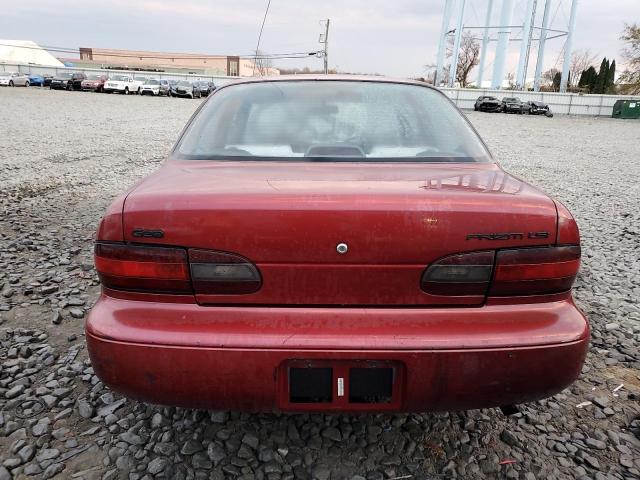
pixel 142 268
pixel 535 271
pixel 221 273
pixel 458 275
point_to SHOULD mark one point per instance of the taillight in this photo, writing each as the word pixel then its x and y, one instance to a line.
pixel 568 232
pixel 535 271
pixel 221 273
pixel 517 272
pixel 458 275
pixel 142 268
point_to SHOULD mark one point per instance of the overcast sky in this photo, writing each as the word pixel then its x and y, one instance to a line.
pixel 392 37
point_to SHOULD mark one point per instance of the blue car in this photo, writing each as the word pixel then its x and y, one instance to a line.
pixel 36 80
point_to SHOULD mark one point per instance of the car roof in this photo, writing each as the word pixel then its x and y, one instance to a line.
pixel 331 77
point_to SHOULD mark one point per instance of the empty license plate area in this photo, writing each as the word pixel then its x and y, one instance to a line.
pixel 341 385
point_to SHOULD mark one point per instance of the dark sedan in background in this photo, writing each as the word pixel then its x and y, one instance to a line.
pixel 173 84
pixel 486 103
pixel 514 105
pixel 61 81
pixel 185 88
pixel 67 81
pixel 205 87
pixel 76 81
pixel 539 108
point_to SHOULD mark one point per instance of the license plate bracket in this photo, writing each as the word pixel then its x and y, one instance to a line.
pixel 345 385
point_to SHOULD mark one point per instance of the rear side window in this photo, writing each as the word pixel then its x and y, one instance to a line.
pixel 330 120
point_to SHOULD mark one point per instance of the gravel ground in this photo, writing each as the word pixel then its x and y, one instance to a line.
pixel 65 155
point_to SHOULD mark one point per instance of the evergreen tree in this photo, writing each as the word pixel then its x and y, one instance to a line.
pixel 611 78
pixel 556 81
pixel 591 79
pixel 602 76
pixel 583 79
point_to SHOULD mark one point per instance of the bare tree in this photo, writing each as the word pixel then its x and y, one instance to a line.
pixel 581 60
pixel 430 73
pixel 631 53
pixel 468 57
pixel 262 63
pixel 549 75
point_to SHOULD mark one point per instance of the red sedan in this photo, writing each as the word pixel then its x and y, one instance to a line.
pixel 335 244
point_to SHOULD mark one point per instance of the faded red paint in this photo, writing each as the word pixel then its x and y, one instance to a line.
pixel 230 357
pixel 230 351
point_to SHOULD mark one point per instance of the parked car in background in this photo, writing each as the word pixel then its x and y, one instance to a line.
pixel 173 84
pixel 47 79
pixel 125 84
pixel 184 88
pixel 165 88
pixel 539 108
pixel 486 103
pixel 155 87
pixel 76 81
pixel 14 79
pixel 61 81
pixel 514 105
pixel 94 82
pixel 205 87
pixel 36 80
pixel 335 244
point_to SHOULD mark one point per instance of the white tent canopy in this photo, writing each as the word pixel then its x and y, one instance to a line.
pixel 25 52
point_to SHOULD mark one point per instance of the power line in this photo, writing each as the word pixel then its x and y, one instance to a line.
pixel 264 19
pixel 167 56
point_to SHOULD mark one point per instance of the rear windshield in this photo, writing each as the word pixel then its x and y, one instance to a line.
pixel 330 121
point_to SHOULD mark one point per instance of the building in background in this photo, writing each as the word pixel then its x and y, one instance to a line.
pixel 194 63
pixel 26 52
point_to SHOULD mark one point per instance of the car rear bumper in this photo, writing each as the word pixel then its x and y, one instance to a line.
pixel 234 357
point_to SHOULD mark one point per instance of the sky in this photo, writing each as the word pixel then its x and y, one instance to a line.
pixel 390 37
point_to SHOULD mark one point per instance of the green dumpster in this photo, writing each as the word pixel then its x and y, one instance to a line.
pixel 626 109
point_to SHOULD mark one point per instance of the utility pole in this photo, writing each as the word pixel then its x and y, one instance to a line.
pixel 524 46
pixel 529 40
pixel 503 43
pixel 485 44
pixel 543 39
pixel 456 47
pixel 324 39
pixel 568 47
pixel 444 30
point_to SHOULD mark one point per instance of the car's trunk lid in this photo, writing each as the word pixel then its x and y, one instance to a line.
pixel 288 219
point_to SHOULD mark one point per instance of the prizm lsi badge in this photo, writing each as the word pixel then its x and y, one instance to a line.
pixel 507 236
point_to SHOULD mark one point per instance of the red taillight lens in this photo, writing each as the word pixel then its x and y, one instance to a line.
pixel 221 273
pixel 142 268
pixel 535 271
pixel 458 275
